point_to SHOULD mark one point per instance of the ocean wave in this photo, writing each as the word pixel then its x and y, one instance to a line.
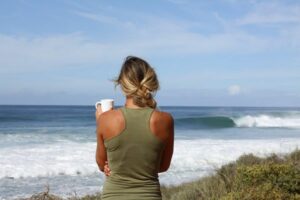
pixel 46 160
pixel 268 121
pixel 249 121
pixel 205 122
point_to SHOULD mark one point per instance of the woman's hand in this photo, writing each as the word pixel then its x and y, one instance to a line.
pixel 106 169
pixel 98 112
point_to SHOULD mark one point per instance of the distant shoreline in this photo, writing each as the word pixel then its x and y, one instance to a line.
pixel 165 106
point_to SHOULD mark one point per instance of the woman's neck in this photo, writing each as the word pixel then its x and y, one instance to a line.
pixel 129 103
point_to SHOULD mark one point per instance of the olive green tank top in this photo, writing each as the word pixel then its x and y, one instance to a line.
pixel 134 157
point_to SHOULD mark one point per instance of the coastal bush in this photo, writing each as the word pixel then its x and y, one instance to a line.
pixel 249 178
pixel 266 181
pixel 283 176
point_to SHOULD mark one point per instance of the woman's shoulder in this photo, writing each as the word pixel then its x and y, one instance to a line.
pixel 162 124
pixel 162 116
pixel 111 115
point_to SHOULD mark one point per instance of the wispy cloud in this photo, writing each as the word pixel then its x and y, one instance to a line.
pixel 178 1
pixel 99 18
pixel 234 90
pixel 271 12
pixel 152 35
pixel 104 19
pixel 75 49
pixel 24 53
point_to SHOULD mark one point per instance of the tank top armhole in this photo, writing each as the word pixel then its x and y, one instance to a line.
pixel 122 131
pixel 123 111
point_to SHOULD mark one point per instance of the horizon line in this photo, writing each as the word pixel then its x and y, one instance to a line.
pixel 187 106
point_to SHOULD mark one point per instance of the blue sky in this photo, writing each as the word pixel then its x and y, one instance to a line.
pixel 206 53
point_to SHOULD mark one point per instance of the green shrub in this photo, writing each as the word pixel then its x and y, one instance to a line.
pixel 284 176
pixel 249 178
pixel 249 159
pixel 265 191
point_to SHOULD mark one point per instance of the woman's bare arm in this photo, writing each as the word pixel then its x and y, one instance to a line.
pixel 101 156
pixel 168 151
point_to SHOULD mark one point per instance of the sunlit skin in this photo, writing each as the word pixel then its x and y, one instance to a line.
pixel 161 124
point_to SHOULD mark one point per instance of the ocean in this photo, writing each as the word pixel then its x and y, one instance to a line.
pixel 54 146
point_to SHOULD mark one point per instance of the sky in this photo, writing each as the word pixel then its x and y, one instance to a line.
pixel 205 53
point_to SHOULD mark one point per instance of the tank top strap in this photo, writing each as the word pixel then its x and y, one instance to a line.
pixel 137 117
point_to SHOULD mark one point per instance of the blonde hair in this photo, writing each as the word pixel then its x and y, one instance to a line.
pixel 139 81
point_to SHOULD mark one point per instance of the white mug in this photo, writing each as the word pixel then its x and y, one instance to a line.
pixel 106 104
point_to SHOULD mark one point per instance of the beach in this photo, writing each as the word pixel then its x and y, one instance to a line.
pixel 55 145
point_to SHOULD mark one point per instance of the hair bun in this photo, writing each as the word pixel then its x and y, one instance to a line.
pixel 138 80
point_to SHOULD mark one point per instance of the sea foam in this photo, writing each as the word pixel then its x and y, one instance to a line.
pixel 192 158
pixel 268 121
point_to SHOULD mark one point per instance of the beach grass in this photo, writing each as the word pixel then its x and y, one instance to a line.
pixel 275 177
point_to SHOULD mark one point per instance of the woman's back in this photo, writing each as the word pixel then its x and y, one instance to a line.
pixel 134 156
pixel 136 140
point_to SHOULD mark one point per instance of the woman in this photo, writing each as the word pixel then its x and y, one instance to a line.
pixel 134 142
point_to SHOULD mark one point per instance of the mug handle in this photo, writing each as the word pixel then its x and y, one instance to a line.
pixel 97 103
